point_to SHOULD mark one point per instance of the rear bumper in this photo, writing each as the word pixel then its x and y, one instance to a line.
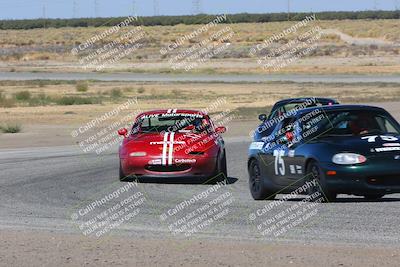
pixel 202 167
pixel 363 179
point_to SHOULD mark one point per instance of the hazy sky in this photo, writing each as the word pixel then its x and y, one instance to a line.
pixel 17 9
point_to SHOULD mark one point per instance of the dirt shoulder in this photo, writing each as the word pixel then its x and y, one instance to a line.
pixel 31 248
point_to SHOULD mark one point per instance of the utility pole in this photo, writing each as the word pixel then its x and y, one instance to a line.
pixel 134 11
pixel 75 9
pixel 44 14
pixel 396 5
pixel 44 11
pixel 156 8
pixel 375 5
pixel 288 10
pixel 96 8
pixel 196 7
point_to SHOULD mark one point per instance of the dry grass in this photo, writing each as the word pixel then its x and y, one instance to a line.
pixel 49 49
pixel 247 33
pixel 246 99
pixel 57 43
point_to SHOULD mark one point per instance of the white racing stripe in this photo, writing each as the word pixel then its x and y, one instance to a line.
pixel 164 151
pixel 171 148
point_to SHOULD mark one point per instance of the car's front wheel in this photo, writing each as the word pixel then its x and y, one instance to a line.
pixel 316 175
pixel 258 189
pixel 122 176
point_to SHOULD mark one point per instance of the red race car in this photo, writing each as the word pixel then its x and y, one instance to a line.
pixel 172 143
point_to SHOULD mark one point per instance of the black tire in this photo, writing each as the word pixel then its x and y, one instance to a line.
pixel 314 172
pixel 122 176
pixel 258 189
pixel 374 196
pixel 224 168
pixel 121 173
pixel 220 173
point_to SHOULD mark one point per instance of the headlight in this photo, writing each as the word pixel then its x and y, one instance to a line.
pixel 138 154
pixel 348 159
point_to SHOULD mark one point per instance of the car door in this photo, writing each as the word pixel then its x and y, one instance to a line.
pixel 295 160
pixel 277 155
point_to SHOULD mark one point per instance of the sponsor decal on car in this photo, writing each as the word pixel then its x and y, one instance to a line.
pixel 295 169
pixel 162 142
pixel 182 161
pixel 172 113
pixel 167 147
pixel 387 149
pixel 155 162
pixel 391 144
pixel 257 145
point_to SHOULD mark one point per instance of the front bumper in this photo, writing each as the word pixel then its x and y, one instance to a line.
pixel 143 167
pixel 372 178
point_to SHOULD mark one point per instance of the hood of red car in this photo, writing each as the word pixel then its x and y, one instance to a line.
pixel 180 144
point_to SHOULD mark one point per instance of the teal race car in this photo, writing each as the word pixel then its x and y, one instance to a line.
pixel 344 149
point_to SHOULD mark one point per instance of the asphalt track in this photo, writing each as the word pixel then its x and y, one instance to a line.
pixel 41 188
pixel 226 78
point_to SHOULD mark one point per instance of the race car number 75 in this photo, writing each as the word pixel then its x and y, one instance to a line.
pixel 372 139
pixel 279 162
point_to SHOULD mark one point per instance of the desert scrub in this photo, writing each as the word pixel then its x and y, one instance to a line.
pixel 23 96
pixel 82 86
pixel 11 128
pixel 116 93
pixel 77 100
pixel 40 100
pixel 6 102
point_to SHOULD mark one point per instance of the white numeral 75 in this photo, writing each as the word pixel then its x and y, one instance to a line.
pixel 372 139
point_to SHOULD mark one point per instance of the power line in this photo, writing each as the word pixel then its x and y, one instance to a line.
pixel 196 7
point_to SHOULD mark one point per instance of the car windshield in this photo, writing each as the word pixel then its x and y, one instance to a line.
pixel 351 123
pixel 291 106
pixel 172 123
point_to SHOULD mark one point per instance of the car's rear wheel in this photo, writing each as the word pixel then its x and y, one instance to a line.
pixel 258 189
pixel 314 172
pixel 374 196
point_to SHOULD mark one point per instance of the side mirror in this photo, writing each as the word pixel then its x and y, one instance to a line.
pixel 123 132
pixel 262 117
pixel 220 129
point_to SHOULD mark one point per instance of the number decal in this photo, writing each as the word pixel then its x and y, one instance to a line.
pixel 279 162
pixel 389 138
pixel 372 139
